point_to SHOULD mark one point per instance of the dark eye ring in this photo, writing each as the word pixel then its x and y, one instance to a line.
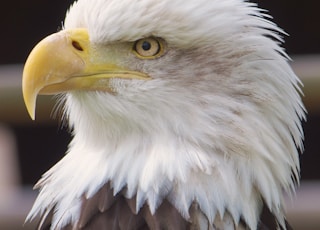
pixel 148 47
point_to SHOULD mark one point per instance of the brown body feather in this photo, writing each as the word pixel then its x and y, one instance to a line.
pixel 105 211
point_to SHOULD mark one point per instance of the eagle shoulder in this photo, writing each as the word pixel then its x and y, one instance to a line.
pixel 105 211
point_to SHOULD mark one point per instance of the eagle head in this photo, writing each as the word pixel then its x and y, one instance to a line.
pixel 186 103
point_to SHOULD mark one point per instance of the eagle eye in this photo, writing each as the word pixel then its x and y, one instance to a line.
pixel 148 48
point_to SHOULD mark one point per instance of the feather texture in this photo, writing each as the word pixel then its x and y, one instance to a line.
pixel 105 211
pixel 217 129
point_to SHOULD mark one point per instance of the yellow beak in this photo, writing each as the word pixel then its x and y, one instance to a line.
pixel 67 61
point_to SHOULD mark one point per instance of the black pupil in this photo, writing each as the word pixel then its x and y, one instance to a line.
pixel 146 45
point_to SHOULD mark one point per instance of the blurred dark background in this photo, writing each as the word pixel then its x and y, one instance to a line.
pixel 23 24
pixel 41 143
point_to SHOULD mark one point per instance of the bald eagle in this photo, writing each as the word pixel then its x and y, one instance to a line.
pixel 185 114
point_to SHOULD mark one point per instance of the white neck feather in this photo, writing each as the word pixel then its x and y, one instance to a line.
pixel 212 156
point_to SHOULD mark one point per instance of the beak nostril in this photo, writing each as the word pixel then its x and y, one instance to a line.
pixel 77 45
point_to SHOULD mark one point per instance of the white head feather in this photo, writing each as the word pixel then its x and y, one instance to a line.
pixel 219 123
